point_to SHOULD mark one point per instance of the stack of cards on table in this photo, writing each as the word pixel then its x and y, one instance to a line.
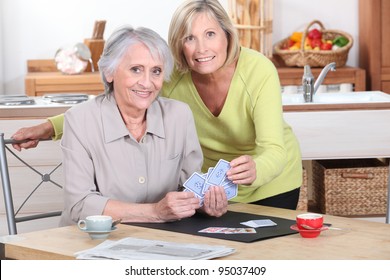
pixel 216 176
pixel 227 230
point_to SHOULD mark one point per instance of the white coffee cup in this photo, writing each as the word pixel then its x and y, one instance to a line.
pixel 96 223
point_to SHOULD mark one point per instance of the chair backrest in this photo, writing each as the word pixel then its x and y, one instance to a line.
pixel 14 217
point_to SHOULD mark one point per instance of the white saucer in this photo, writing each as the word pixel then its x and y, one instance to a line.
pixel 98 231
pixel 98 234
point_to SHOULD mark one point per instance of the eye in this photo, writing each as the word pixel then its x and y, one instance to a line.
pixel 189 38
pixel 157 71
pixel 135 69
pixel 210 34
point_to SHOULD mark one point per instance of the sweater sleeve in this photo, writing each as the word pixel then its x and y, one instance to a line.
pixel 58 124
pixel 269 126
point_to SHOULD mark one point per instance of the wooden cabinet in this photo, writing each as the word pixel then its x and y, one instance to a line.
pixel 349 75
pixel 43 77
pixel 39 83
pixel 374 43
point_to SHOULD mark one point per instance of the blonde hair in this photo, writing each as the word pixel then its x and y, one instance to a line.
pixel 181 25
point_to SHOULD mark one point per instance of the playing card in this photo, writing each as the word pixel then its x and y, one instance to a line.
pixel 195 183
pixel 206 187
pixel 218 174
pixel 199 183
pixel 231 190
pixel 226 230
pixel 225 181
pixel 209 173
pixel 259 223
pixel 212 229
pixel 238 230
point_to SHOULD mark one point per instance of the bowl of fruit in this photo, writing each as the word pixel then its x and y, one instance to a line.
pixel 316 46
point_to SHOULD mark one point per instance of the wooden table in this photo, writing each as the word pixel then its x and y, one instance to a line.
pixel 361 240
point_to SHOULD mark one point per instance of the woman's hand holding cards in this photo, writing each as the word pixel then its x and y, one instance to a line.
pixel 215 201
pixel 199 184
pixel 213 188
pixel 176 205
pixel 242 170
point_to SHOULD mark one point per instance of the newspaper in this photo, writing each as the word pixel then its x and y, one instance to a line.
pixel 144 249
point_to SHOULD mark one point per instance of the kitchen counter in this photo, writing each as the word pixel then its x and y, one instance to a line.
pixel 328 101
pixel 41 109
pixel 336 107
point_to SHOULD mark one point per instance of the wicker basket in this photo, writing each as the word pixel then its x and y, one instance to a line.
pixel 303 201
pixel 315 58
pixel 351 187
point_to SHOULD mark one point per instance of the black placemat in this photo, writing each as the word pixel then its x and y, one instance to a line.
pixel 231 219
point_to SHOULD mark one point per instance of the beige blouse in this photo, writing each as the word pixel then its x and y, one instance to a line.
pixel 101 159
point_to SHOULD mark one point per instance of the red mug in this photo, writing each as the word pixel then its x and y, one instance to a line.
pixel 310 221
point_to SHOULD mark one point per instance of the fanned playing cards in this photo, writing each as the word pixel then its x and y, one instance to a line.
pixel 216 176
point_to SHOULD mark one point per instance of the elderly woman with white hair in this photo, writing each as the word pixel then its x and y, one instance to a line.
pixel 126 152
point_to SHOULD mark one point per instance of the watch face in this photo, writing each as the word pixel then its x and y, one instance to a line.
pixel 72 60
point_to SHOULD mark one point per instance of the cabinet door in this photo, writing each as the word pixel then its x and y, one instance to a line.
pixel 374 43
pixel 385 70
pixel 385 33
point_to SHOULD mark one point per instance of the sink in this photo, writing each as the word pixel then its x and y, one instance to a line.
pixel 336 98
pixel 339 100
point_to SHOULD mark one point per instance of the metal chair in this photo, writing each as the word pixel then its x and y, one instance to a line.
pixel 12 217
pixel 388 199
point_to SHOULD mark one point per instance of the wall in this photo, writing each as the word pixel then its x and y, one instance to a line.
pixel 36 29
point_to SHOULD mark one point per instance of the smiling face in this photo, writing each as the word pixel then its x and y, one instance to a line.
pixel 137 80
pixel 205 48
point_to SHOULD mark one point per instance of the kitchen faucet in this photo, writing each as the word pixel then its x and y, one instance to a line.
pixel 309 86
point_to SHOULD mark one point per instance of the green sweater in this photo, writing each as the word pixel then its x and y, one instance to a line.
pixel 251 122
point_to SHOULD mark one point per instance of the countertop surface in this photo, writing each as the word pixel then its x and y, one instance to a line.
pixel 328 101
pixel 41 108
